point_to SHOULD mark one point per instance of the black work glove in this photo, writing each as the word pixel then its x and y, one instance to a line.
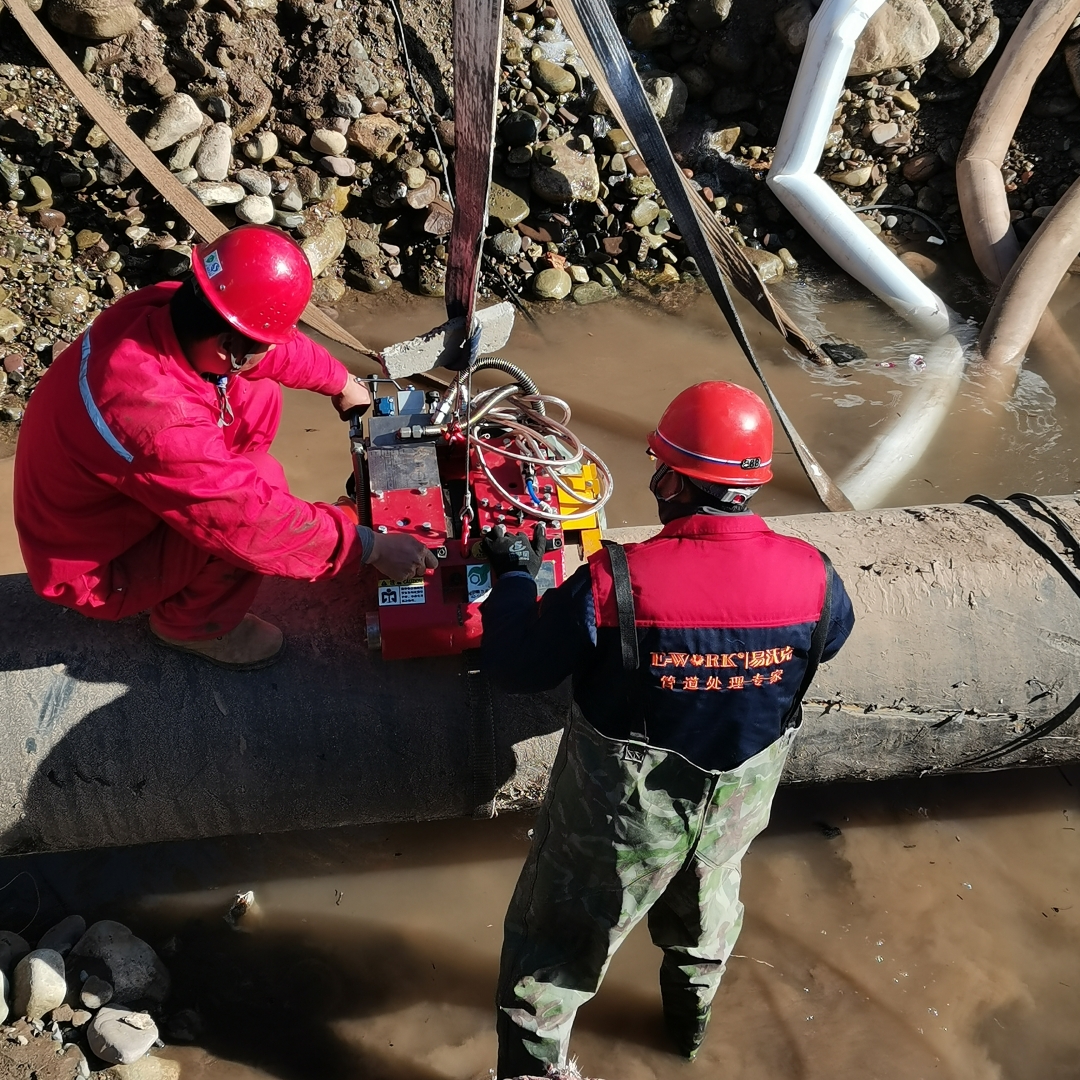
pixel 513 551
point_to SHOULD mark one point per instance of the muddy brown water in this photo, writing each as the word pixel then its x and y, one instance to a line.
pixel 936 935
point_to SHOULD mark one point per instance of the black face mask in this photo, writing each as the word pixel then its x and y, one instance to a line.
pixel 661 471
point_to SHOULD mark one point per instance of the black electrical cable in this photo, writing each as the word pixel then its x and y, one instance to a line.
pixel 420 102
pixel 1036 543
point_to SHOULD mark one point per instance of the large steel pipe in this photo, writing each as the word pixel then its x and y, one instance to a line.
pixel 965 636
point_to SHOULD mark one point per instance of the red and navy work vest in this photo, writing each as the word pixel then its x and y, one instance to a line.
pixel 725 609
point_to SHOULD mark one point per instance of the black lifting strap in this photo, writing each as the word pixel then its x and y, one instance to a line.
pixel 818 638
pixel 1037 543
pixel 628 639
pixel 624 602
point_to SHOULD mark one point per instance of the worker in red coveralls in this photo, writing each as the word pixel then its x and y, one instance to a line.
pixel 144 481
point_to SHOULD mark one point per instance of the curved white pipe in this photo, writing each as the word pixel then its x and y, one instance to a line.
pixel 826 57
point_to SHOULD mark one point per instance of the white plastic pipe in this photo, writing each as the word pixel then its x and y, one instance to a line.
pixel 825 61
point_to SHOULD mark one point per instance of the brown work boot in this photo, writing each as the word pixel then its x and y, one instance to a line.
pixel 253 644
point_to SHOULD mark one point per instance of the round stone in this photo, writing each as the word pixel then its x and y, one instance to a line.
pixel 325 141
pixel 552 284
pixel 256 209
pixel 261 148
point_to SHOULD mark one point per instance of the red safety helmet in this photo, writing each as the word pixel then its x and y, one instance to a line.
pixel 717 432
pixel 256 278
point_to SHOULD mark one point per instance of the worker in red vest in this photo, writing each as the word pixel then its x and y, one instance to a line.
pixel 143 479
pixel 690 655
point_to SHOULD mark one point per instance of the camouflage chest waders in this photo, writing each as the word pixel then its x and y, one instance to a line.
pixel 627 829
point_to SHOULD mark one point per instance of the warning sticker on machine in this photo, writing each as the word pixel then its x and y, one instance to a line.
pixel 479 581
pixel 397 593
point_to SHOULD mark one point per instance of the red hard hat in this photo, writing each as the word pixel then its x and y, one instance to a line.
pixel 256 278
pixel 717 432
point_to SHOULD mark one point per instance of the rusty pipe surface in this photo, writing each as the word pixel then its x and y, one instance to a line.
pixel 964 636
pixel 979 185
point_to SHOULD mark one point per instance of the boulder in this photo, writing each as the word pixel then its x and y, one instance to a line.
pixel 97 20
pixel 561 174
pixel 39 985
pixel 323 248
pixel 177 118
pixel 136 971
pixel 119 1035
pixel 898 34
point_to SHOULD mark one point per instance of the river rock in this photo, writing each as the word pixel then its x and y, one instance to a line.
pixel 920 168
pixel 98 20
pixel 561 174
pixel 969 60
pixel 506 244
pixel 922 266
pixel 667 97
pixel 374 134
pixel 951 38
pixel 12 947
pixel 39 984
pixel 262 147
pixel 898 34
pixel 708 15
pixel 553 78
pixel 177 118
pixel 552 284
pixel 792 23
pixel 214 155
pixel 119 1035
pixel 853 177
pixel 769 267
pixel 146 1068
pixel 906 100
pixel 69 300
pixel 11 325
pixel 95 992
pixel 325 141
pixel 644 212
pixel 341 167
pixel 256 209
pixel 214 193
pixel 183 153
pixel 506 206
pixel 519 128
pixel 136 971
pixel 423 196
pixel 651 28
pixel 254 181
pixel 592 292
pixel 325 246
pixel 733 56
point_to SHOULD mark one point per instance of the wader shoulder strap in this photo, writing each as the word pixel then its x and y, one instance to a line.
pixel 817 645
pixel 624 602
pixel 628 641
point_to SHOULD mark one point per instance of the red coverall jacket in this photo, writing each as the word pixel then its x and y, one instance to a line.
pixel 122 435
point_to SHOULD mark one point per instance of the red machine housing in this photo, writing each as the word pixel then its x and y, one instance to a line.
pixel 412 477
